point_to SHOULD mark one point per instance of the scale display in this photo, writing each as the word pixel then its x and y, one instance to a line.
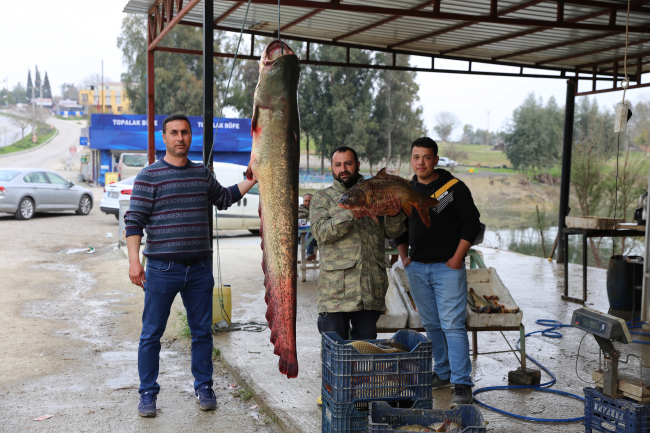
pixel 601 325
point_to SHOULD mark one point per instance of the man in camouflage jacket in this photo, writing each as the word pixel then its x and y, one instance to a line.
pixel 353 281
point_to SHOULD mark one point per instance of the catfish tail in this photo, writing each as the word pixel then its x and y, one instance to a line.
pixel 288 364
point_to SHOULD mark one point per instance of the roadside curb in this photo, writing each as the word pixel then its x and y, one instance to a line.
pixel 258 398
pixel 21 152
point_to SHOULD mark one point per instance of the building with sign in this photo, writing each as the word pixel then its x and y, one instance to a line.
pixel 111 99
pixel 67 107
pixel 111 135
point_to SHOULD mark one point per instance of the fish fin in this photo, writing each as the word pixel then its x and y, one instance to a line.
pixel 373 216
pixel 381 174
pixel 429 202
pixel 288 363
pixel 249 176
pixel 424 216
pixel 256 115
pixel 408 209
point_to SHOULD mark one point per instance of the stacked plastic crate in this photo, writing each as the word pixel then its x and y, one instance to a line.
pixel 351 380
pixel 605 414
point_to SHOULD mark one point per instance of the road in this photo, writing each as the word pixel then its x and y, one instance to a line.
pixel 71 323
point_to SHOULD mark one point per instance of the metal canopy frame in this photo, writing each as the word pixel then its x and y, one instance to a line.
pixel 572 40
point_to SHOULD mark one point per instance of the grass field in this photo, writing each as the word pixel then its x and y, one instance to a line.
pixel 27 143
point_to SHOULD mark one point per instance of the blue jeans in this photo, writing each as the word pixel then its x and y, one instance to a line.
pixel 195 284
pixel 440 294
pixel 310 246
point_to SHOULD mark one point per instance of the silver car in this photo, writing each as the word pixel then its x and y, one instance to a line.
pixel 25 191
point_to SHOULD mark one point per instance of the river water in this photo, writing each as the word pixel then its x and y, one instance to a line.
pixel 10 133
pixel 528 241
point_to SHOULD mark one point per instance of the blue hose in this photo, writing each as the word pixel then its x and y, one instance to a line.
pixel 551 332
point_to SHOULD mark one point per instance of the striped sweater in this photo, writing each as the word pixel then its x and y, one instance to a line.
pixel 171 204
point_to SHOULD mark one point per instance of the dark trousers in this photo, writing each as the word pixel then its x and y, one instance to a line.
pixel 363 324
pixel 164 281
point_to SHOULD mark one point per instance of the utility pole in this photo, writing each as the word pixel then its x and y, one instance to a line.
pixel 487 131
pixel 102 91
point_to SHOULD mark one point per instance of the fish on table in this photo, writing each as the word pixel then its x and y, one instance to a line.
pixel 374 195
pixel 275 154
pixel 445 426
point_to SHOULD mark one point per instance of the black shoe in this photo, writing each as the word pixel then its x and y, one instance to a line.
pixel 437 383
pixel 206 398
pixel 462 395
pixel 147 405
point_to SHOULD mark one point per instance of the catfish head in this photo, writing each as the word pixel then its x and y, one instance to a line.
pixel 353 199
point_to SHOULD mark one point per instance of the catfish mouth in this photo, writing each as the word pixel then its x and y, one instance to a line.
pixel 273 51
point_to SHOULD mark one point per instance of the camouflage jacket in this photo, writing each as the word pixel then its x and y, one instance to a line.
pixel 352 261
pixel 303 212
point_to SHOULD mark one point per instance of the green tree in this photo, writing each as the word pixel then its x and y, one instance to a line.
pixel 30 85
pixel 37 83
pixel 178 77
pixel 47 90
pixel 69 91
pixel 534 138
pixel 398 118
pixel 19 94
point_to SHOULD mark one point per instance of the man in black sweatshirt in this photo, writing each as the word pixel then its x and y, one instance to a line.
pixel 436 267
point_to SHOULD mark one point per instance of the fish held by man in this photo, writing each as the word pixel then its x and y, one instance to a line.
pixel 374 195
pixel 275 128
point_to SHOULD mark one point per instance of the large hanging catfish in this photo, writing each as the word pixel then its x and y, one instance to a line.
pixel 275 163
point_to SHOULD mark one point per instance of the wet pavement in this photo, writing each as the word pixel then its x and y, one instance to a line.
pixel 536 285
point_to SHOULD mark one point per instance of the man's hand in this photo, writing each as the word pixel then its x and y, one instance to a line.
pixel 455 263
pixel 136 274
pixel 364 212
pixel 394 206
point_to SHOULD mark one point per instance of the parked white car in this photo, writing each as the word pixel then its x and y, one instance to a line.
pixel 446 162
pixel 115 192
pixel 241 216
pixel 130 164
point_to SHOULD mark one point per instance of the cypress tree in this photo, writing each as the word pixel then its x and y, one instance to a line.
pixel 30 86
pixel 47 90
pixel 37 84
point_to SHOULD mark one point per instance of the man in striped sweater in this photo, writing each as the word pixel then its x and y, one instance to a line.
pixel 170 201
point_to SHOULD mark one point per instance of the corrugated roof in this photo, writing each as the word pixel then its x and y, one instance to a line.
pixel 522 33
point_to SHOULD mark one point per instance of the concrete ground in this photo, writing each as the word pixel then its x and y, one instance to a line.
pixel 71 324
pixel 536 285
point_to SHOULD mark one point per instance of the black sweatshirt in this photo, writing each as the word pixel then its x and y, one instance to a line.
pixel 455 218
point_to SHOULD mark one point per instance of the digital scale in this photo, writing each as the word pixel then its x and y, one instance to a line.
pixel 606 329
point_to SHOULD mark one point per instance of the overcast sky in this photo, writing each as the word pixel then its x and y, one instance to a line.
pixel 68 39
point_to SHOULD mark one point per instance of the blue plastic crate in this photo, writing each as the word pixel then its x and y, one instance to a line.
pixel 606 414
pixel 349 376
pixel 383 418
pixel 353 417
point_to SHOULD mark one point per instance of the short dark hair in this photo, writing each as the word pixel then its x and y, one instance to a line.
pixel 344 149
pixel 427 143
pixel 308 195
pixel 175 117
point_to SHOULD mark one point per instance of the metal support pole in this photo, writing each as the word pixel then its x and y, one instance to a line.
pixel 522 346
pixel 151 108
pixel 566 163
pixel 645 295
pixel 208 96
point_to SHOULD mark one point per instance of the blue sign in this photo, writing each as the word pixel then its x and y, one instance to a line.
pixel 83 141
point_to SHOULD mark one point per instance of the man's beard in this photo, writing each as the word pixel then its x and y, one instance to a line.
pixel 351 180
pixel 172 152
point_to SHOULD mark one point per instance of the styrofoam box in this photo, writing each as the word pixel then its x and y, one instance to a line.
pixel 401 282
pixel 396 315
pixel 486 281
